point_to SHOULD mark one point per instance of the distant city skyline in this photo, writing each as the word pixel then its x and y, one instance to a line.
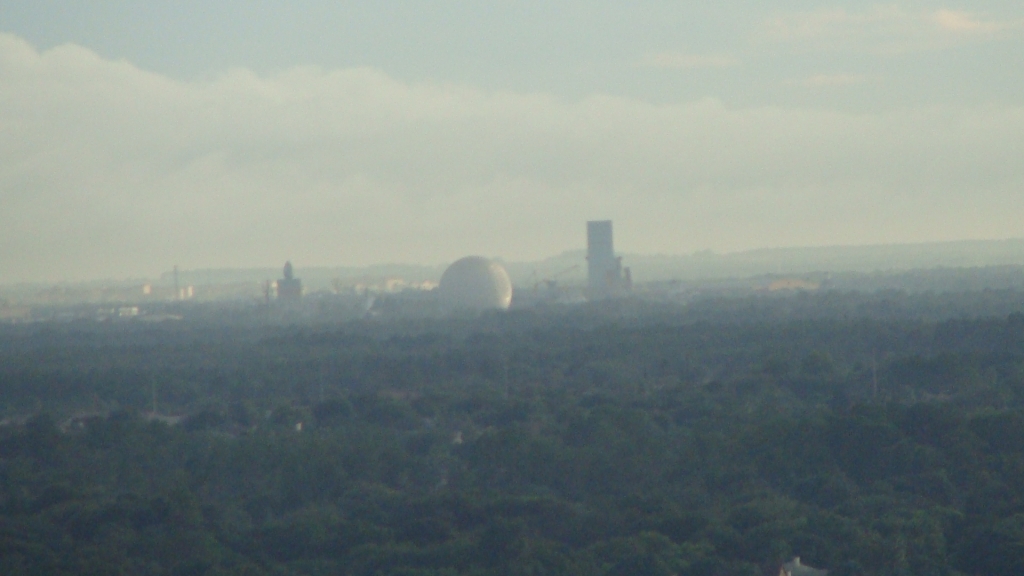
pixel 230 134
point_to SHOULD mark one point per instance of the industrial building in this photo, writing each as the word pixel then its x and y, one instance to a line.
pixel 605 276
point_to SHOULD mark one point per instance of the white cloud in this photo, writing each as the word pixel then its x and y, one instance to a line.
pixel 964 22
pixel 835 80
pixel 679 60
pixel 884 29
pixel 109 170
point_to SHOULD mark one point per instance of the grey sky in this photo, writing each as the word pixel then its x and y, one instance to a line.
pixel 138 135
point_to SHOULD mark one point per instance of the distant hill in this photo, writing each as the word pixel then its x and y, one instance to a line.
pixel 313 278
pixel 830 259
pixel 570 267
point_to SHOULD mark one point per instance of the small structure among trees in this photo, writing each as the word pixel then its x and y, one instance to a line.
pixel 795 568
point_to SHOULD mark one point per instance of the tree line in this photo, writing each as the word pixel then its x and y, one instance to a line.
pixel 615 441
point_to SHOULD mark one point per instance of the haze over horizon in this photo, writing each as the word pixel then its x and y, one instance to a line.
pixel 236 134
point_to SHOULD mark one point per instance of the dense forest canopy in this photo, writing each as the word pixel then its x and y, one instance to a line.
pixel 875 434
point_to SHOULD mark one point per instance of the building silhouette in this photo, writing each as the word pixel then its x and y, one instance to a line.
pixel 289 288
pixel 605 276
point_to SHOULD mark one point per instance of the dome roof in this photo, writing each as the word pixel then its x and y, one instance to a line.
pixel 475 282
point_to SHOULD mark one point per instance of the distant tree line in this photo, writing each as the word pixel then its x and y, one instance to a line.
pixel 723 438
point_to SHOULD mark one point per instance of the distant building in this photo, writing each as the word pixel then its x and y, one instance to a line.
pixel 605 275
pixel 795 568
pixel 475 283
pixel 289 288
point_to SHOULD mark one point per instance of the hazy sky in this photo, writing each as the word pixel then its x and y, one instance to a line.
pixel 136 135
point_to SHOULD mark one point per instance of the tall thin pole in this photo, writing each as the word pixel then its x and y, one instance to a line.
pixel 874 376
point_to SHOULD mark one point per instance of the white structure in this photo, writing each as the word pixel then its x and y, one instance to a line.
pixel 795 568
pixel 475 283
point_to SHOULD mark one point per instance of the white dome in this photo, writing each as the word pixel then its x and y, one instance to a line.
pixel 474 282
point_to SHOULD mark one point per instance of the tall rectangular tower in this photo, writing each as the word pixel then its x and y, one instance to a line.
pixel 604 270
